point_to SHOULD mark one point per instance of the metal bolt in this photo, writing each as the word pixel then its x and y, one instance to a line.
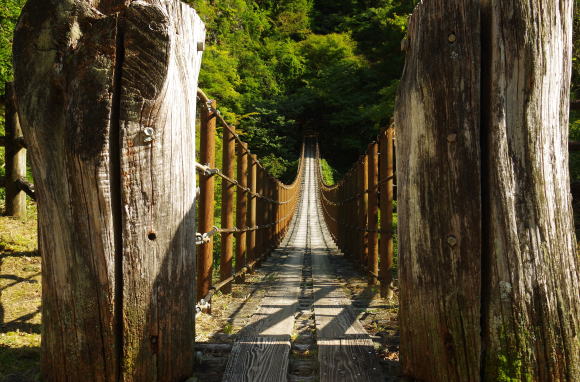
pixel 148 132
pixel 452 38
pixel 451 240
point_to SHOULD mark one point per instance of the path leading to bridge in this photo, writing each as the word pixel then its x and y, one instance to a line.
pixel 345 350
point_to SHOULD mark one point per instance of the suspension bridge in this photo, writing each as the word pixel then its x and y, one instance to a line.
pixel 489 272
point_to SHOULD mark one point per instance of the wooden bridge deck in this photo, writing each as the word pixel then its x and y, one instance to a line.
pixel 345 350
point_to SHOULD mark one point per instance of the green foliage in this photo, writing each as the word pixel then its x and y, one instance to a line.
pixel 9 12
pixel 281 67
pixel 329 174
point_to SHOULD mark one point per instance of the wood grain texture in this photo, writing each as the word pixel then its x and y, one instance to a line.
pixel 348 360
pixel 158 92
pixel 117 301
pixel 439 193
pixel 64 56
pixel 262 348
pixel 259 359
pixel 532 294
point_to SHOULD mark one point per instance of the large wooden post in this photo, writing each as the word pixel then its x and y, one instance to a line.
pixel 15 158
pixel 206 198
pixel 373 214
pixel 439 201
pixel 531 270
pixel 227 248
pixel 107 101
pixel 489 272
pixel 386 250
pixel 242 206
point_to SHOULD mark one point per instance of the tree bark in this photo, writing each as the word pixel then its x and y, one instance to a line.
pixel 107 98
pixel 531 274
pixel 488 267
pixel 439 200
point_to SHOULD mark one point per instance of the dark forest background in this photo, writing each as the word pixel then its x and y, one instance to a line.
pixel 278 68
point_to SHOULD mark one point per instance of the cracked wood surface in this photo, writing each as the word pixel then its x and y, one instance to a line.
pixel 107 94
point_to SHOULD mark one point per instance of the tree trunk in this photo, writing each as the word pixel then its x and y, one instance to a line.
pixel 107 97
pixel 531 297
pixel 439 201
pixel 488 268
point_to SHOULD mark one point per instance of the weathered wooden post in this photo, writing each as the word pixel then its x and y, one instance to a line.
pixel 227 247
pixel 531 269
pixel 373 211
pixel 206 198
pixel 107 99
pixel 352 220
pixel 386 250
pixel 363 210
pixel 260 209
pixel 252 184
pixel 489 273
pixel 242 206
pixel 15 158
pixel 439 201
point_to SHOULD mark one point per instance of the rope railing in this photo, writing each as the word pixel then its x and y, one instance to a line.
pixel 351 209
pixel 256 208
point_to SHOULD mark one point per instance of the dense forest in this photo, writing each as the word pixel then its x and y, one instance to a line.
pixel 282 67
pixel 278 68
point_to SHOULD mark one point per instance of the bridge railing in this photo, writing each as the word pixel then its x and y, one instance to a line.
pixel 264 206
pixel 17 187
pixel 359 210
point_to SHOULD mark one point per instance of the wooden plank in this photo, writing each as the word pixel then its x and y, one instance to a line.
pixel 262 349
pixel 345 350
pixel 348 360
pixel 259 359
pixel 335 317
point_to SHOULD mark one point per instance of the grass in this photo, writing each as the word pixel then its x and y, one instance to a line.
pixel 20 297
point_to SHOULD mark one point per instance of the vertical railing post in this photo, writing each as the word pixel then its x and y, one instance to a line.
pixel 386 207
pixel 15 158
pixel 252 200
pixel 373 215
pixel 260 214
pixel 363 209
pixel 343 194
pixel 206 197
pixel 229 152
pixel 269 219
pixel 353 220
pixel 242 207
